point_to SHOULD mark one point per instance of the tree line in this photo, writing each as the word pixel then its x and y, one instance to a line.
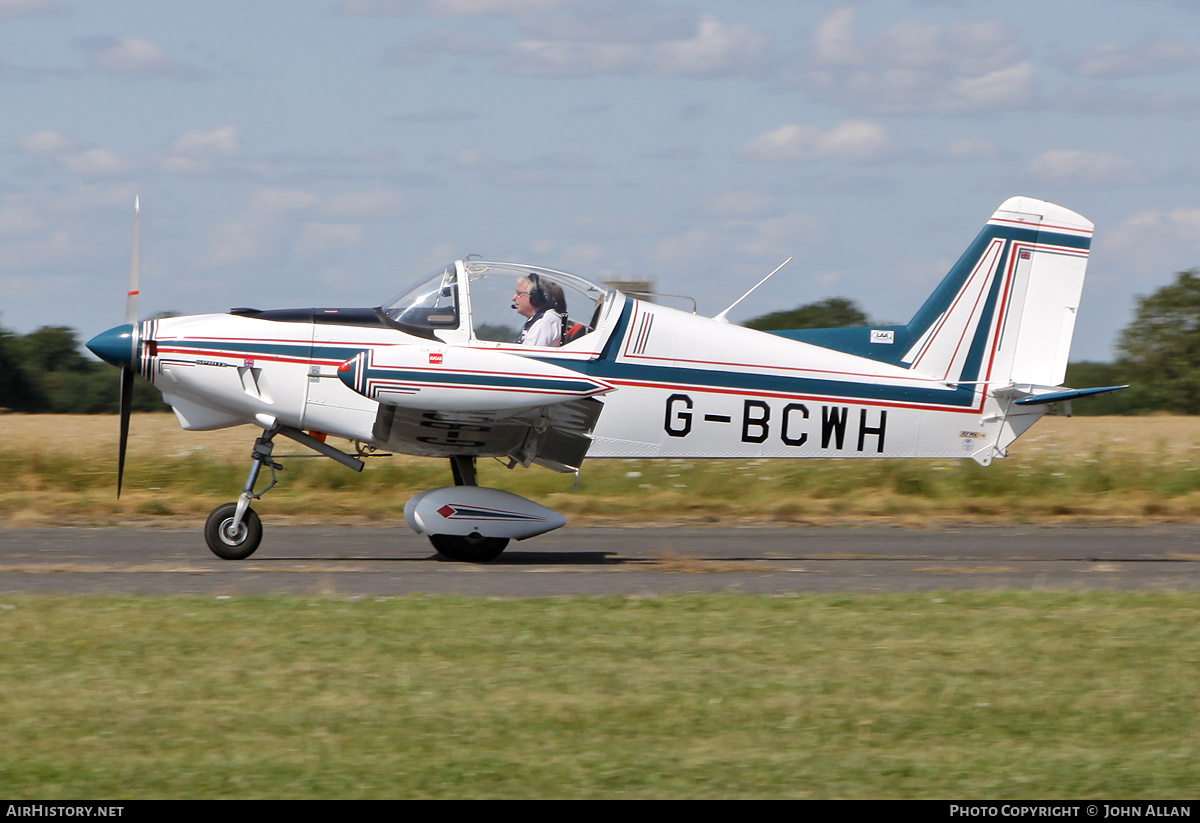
pixel 1158 357
pixel 46 371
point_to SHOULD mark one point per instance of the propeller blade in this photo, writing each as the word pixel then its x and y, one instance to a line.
pixel 131 300
pixel 125 409
pixel 131 316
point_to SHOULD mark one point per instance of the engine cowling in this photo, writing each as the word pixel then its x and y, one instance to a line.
pixel 468 510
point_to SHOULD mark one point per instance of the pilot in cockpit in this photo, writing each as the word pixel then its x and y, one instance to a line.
pixel 543 305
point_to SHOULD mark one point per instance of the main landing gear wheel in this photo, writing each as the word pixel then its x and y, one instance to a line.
pixel 473 548
pixel 229 544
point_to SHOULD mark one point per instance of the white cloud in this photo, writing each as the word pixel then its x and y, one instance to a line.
pixel 759 239
pixel 588 37
pixel 46 143
pixel 218 143
pixel 200 152
pixel 94 163
pixel 962 47
pixel 44 228
pixel 718 49
pixel 1153 228
pixel 1069 167
pixel 1153 56
pixel 261 227
pixel 10 9
pixel 625 21
pixel 447 8
pixel 1185 220
pixel 1150 243
pixel 833 41
pixel 854 141
pixel 965 65
pixel 132 55
pixel 619 21
pixel 1010 87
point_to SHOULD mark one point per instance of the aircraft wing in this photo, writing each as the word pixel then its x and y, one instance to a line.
pixel 556 436
pixel 443 401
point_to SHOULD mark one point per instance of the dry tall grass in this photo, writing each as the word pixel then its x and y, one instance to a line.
pixel 61 468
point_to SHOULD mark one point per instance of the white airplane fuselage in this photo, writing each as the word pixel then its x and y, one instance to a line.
pixel 792 399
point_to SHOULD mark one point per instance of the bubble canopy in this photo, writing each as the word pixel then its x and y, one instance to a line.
pixel 472 300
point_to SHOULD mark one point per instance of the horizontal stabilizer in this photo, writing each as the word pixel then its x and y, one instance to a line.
pixel 1065 394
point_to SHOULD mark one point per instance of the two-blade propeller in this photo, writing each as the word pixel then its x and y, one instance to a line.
pixel 119 346
pixel 131 317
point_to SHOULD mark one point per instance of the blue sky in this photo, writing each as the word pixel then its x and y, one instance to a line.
pixel 329 153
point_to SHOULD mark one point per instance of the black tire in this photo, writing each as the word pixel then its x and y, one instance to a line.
pixel 225 545
pixel 473 548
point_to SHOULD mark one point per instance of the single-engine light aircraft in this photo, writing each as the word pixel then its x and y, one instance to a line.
pixel 442 371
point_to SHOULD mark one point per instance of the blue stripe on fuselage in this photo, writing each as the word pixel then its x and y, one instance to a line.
pixel 669 377
pixel 607 368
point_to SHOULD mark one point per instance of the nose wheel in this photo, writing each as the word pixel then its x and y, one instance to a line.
pixel 230 539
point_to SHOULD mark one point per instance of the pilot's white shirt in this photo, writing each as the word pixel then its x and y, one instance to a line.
pixel 543 329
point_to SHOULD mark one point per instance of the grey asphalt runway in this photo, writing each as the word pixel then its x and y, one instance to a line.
pixel 351 560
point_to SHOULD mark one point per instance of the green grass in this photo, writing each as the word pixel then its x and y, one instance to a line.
pixel 967 695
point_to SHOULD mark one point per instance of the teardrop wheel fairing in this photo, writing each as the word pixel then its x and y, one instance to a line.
pixel 472 548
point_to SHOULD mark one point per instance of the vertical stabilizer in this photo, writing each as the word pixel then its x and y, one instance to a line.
pixel 1005 313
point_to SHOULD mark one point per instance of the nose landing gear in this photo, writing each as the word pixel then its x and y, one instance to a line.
pixel 234 530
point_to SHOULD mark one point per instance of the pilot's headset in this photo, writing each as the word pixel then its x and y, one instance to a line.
pixel 537 294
